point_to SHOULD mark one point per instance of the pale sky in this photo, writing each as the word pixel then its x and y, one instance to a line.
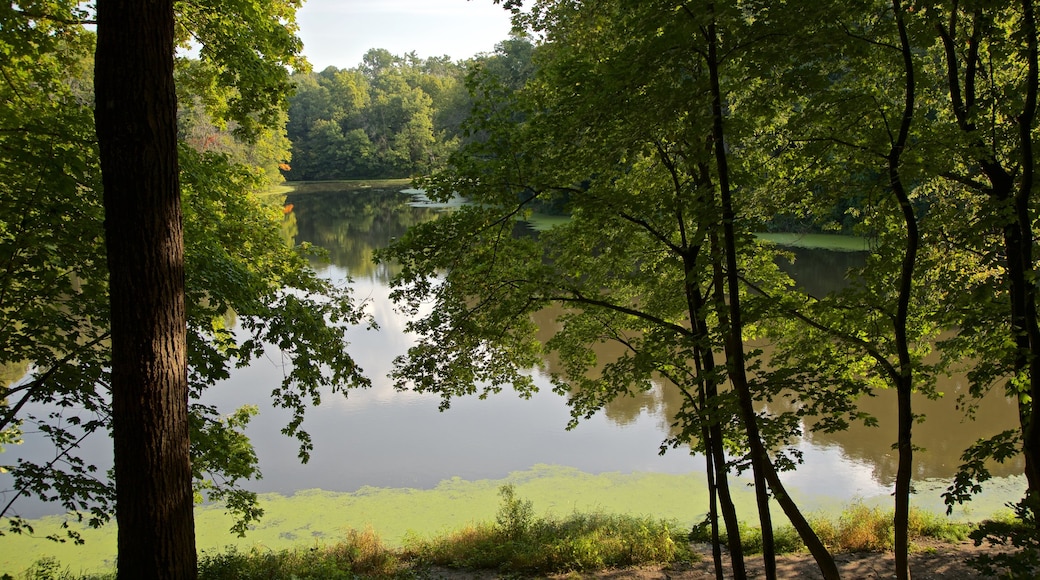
pixel 339 32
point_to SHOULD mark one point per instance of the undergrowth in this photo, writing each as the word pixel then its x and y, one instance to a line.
pixel 859 528
pixel 519 542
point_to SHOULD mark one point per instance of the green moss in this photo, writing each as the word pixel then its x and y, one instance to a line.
pixel 819 241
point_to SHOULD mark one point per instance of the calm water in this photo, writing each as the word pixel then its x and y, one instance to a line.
pixel 384 438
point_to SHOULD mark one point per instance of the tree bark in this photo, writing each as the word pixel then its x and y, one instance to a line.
pixel 136 120
pixel 730 319
pixel 904 382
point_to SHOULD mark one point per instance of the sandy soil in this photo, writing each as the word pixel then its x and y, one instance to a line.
pixel 930 562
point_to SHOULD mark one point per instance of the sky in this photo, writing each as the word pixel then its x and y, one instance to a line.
pixel 339 32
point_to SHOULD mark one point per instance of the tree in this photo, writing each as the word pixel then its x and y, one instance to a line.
pixel 992 117
pixel 136 119
pixel 875 83
pixel 625 119
pixel 55 301
pixel 390 117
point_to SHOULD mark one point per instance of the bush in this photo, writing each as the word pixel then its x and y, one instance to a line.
pixel 861 528
pixel 361 554
pixel 1020 538
pixel 520 542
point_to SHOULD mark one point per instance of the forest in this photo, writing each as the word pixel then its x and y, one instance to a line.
pixel 391 116
pixel 669 132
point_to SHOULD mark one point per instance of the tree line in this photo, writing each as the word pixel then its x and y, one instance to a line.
pixel 390 116
pixel 671 132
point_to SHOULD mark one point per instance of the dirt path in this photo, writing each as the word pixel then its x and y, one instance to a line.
pixel 937 561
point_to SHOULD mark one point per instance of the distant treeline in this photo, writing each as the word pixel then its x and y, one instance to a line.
pixel 391 116
pixel 400 116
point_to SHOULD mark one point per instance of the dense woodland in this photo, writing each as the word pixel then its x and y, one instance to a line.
pixel 390 116
pixel 670 132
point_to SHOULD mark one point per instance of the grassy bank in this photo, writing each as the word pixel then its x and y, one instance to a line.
pixel 834 242
pixel 317 517
pixel 518 542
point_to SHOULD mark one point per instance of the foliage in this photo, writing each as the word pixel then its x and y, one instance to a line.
pixel 359 555
pixel 515 515
pixel 239 269
pixel 864 528
pixel 1018 537
pixel 51 569
pixel 248 49
pixel 391 116
pixel 581 541
pixel 520 542
pixel 670 132
pixel 785 538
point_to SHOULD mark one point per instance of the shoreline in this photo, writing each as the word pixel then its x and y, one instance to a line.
pixel 318 516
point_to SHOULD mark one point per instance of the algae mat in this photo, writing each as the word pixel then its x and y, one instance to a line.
pixel 314 516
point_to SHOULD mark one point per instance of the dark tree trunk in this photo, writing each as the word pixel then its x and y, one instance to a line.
pixel 1004 196
pixel 136 119
pixel 1023 203
pixel 727 275
pixel 904 381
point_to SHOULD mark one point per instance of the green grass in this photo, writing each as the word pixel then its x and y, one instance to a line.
pixel 544 221
pixel 519 542
pixel 859 528
pixel 302 187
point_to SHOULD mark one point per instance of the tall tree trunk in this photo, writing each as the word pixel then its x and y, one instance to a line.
pixel 715 455
pixel 713 502
pixel 733 326
pixel 1023 201
pixel 707 380
pixel 136 119
pixel 708 392
pixel 904 382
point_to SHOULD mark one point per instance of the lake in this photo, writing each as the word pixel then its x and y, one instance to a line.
pixel 383 438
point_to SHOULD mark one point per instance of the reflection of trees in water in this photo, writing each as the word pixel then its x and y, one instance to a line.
pixel 820 272
pixel 350 224
pixel 662 400
pixel 944 434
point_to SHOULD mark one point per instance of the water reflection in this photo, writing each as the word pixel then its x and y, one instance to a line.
pixel 382 437
pixel 820 272
pixel 353 224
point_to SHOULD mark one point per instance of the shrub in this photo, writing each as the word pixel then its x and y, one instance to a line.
pixel 1018 536
pixel 520 542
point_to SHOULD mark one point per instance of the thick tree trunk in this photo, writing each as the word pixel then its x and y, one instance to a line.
pixel 136 118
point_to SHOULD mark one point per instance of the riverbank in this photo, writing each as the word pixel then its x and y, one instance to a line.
pixel 313 517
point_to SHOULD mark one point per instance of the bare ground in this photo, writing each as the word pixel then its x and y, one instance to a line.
pixel 930 561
